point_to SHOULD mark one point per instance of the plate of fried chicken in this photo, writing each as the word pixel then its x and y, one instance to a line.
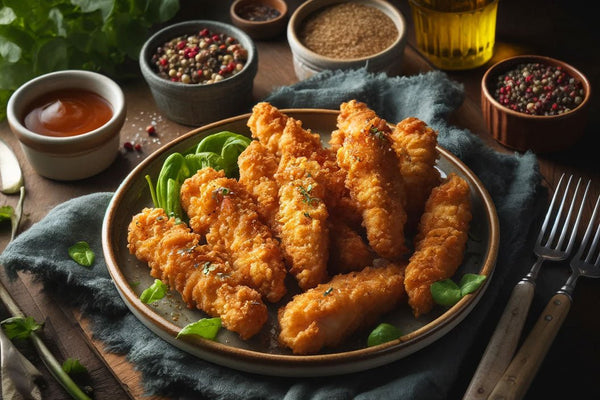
pixel 338 221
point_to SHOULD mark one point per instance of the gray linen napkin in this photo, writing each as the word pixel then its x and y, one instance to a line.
pixel 513 181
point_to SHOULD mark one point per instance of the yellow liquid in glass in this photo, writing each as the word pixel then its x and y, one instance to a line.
pixel 455 35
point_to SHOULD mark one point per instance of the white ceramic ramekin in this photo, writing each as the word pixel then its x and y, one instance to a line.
pixel 73 157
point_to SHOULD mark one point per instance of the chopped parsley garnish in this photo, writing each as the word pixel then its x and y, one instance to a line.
pixel 306 193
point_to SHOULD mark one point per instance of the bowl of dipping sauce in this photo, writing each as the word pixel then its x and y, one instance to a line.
pixel 68 123
pixel 261 19
pixel 200 71
pixel 336 34
pixel 536 103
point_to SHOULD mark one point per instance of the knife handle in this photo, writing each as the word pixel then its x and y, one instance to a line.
pixel 503 343
pixel 519 374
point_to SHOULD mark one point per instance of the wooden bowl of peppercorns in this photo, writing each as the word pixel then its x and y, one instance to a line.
pixel 535 103
pixel 200 71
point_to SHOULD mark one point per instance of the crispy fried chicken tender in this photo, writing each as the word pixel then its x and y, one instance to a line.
pixel 348 251
pixel 266 124
pixel 329 313
pixel 373 178
pixel 198 273
pixel 415 145
pixel 302 220
pixel 440 242
pixel 222 209
pixel 257 166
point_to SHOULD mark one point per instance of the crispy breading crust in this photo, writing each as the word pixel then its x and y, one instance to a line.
pixel 415 145
pixel 440 242
pixel 223 209
pixel 329 313
pixel 373 178
pixel 198 273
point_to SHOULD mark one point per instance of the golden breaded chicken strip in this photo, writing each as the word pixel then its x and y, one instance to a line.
pixel 373 178
pixel 329 313
pixel 415 145
pixel 202 278
pixel 299 142
pixel 348 251
pixel 266 124
pixel 302 221
pixel 223 209
pixel 440 242
pixel 257 174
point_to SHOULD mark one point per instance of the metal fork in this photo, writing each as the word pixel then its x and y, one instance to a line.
pixel 550 245
pixel 519 374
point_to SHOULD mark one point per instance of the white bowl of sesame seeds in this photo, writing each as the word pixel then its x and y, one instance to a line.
pixel 200 71
pixel 350 34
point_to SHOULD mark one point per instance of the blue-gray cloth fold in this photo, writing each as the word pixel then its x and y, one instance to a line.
pixel 512 180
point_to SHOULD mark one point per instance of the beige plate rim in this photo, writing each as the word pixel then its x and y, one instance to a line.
pixel 283 364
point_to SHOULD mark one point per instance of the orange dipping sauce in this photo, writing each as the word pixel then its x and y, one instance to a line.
pixel 68 112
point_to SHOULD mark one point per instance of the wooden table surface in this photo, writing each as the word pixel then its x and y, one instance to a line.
pixel 554 28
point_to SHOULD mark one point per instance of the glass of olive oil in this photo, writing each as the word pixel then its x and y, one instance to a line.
pixel 455 35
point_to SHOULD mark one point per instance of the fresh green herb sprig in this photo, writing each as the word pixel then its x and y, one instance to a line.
pixel 155 292
pixel 206 328
pixel 82 254
pixel 27 328
pixel 383 333
pixel 6 213
pixel 37 37
pixel 447 293
pixel 219 151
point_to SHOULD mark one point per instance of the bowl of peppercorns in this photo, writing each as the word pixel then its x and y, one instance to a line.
pixel 535 103
pixel 346 35
pixel 200 71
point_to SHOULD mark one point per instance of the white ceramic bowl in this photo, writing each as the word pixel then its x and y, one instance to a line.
pixel 198 104
pixel 307 62
pixel 72 157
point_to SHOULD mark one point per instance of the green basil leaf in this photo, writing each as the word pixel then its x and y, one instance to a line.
pixel 232 148
pixel 470 283
pixel 197 161
pixel 384 332
pixel 82 254
pixel 155 292
pixel 20 327
pixel 72 366
pixel 445 292
pixel 206 328
pixel 6 212
pixel 214 143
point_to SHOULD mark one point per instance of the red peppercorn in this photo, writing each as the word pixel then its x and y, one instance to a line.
pixel 128 146
pixel 138 147
pixel 151 129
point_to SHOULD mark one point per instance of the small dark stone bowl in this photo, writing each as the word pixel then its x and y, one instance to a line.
pixel 199 104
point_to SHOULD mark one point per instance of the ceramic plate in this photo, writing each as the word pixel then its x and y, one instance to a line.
pixel 261 354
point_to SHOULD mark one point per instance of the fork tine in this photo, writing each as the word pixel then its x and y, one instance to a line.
pixel 579 214
pixel 567 220
pixel 551 207
pixel 559 221
pixel 586 238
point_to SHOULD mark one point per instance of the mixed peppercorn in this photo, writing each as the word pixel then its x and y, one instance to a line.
pixel 202 58
pixel 539 89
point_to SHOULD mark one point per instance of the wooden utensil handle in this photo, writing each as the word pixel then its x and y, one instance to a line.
pixel 519 374
pixel 503 343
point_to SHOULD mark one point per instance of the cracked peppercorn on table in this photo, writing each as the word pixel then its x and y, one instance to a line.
pixel 113 377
